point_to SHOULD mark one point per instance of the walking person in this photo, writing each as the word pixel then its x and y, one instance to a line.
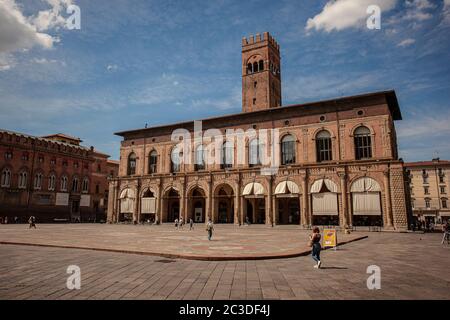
pixel 32 222
pixel 316 247
pixel 181 222
pixel 209 229
pixel 446 233
pixel 176 224
pixel 191 224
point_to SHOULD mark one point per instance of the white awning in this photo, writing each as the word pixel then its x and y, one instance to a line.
pixel 127 205
pixel 127 193
pixel 366 203
pixel 254 188
pixel 365 184
pixel 325 203
pixel 317 186
pixel 148 205
pixel 287 187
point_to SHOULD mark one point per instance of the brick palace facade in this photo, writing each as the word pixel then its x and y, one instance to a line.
pixel 338 160
pixel 53 178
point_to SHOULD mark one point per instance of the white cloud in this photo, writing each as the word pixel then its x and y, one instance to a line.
pixel 406 42
pixel 446 12
pixel 342 14
pixel 111 67
pixel 21 33
pixel 17 32
pixel 51 18
pixel 7 61
pixel 425 127
pixel 417 10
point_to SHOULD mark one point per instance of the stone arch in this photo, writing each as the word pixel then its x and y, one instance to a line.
pixel 127 198
pixel 324 201
pixel 317 130
pixel 223 203
pixel 362 124
pixel 366 200
pixel 172 198
pixel 196 203
pixel 361 176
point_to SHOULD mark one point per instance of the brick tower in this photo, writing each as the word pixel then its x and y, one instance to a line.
pixel 261 78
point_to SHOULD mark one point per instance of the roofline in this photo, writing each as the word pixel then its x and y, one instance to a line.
pixel 391 98
pixel 44 139
pixel 63 135
pixel 429 163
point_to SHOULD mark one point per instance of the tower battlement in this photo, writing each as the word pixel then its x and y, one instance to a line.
pixel 258 38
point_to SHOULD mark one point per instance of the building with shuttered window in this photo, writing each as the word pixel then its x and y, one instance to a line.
pixel 334 162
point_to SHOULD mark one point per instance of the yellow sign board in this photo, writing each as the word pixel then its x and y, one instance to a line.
pixel 329 238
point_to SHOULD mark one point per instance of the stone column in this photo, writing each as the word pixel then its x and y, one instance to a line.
pixel 343 178
pixel 387 195
pixel 111 201
pixel 159 209
pixel 182 202
pixel 274 209
pixel 136 204
pixel 209 201
pixel 398 198
pixel 268 205
pixel 236 208
pixel 243 208
pixel 305 208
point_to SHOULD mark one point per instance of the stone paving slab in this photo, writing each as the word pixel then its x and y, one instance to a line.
pixel 229 242
pixel 413 266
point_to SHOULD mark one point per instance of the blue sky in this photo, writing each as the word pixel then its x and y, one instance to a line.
pixel 137 62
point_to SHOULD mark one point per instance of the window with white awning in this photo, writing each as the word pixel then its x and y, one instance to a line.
pixel 127 197
pixel 324 197
pixel 253 189
pixel 148 202
pixel 287 188
pixel 366 197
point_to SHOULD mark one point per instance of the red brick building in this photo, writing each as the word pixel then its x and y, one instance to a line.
pixel 336 161
pixel 53 178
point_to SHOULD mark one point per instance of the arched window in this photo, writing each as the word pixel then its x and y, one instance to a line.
pixel 249 68
pixel 51 182
pixel 255 66
pixel 199 158
pixel 254 153
pixel 23 180
pixel 288 150
pixel 323 146
pixel 363 143
pixel 63 183
pixel 132 164
pixel 38 181
pixel 85 187
pixel 261 65
pixel 153 161
pixel 227 155
pixel 75 184
pixel 176 157
pixel 6 178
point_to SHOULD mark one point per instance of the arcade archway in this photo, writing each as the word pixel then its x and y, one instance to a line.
pixel 224 204
pixel 196 205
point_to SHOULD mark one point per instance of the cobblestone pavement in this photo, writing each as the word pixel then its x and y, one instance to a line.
pixel 413 266
pixel 229 241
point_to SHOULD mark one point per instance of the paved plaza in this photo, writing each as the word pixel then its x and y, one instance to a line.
pixel 413 266
pixel 229 241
